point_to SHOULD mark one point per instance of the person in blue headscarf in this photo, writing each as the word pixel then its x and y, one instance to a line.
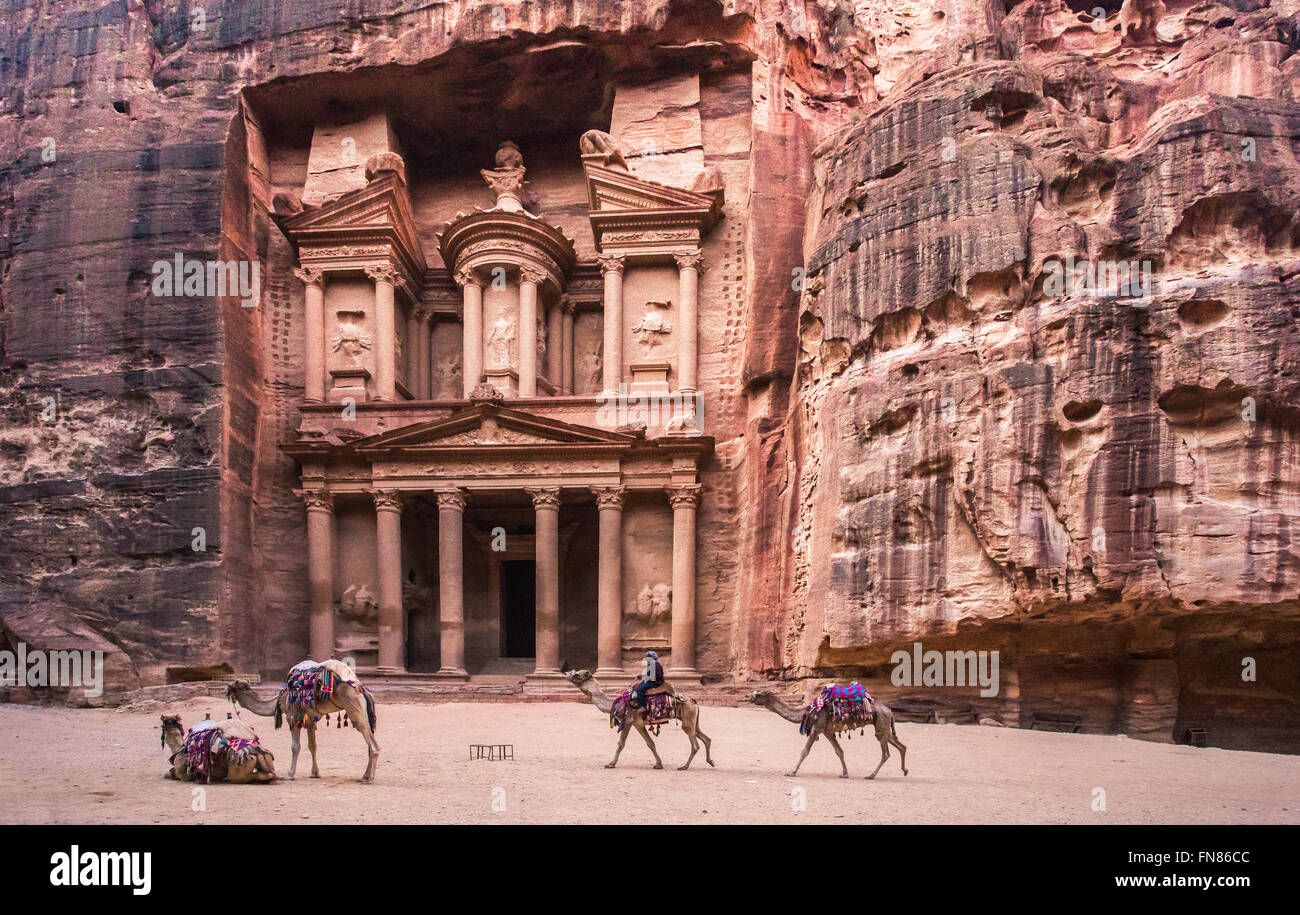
pixel 652 676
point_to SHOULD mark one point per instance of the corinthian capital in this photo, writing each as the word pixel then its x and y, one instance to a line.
pixel 611 263
pixel 451 498
pixel 686 496
pixel 316 500
pixel 690 260
pixel 609 496
pixel 533 275
pixel 545 496
pixel 465 276
pixel 382 273
pixel 310 276
pixel 386 500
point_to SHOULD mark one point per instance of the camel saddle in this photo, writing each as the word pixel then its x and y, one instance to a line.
pixel 660 707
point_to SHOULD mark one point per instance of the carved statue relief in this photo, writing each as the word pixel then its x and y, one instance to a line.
pixel 653 327
pixel 500 342
pixel 654 604
pixel 541 335
pixel 597 142
pixel 357 603
pixel 349 338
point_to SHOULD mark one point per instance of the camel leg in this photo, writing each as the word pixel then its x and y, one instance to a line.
pixel 839 751
pixel 690 723
pixel 884 755
pixel 902 753
pixel 812 739
pixel 659 763
pixel 622 739
pixel 362 721
pixel 295 743
pixel 311 745
pixel 708 758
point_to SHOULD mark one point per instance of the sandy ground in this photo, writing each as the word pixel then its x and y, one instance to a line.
pixel 103 766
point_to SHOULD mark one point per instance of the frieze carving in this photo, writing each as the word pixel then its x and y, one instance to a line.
pixel 544 497
pixel 685 496
pixel 625 238
pixel 338 251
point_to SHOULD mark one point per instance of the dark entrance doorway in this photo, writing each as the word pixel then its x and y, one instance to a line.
pixel 518 608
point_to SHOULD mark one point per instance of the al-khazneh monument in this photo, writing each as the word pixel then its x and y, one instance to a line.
pixel 731 330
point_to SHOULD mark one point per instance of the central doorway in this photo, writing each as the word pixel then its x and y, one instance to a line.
pixel 518 608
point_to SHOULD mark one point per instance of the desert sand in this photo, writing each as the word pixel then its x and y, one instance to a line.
pixel 106 766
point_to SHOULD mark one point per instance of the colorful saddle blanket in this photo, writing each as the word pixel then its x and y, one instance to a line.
pixel 660 709
pixel 308 688
pixel 200 747
pixel 850 705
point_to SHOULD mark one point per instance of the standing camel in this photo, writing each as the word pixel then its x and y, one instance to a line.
pixel 256 765
pixel 824 723
pixel 355 701
pixel 688 710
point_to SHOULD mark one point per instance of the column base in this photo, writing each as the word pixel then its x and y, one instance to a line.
pixel 614 674
pixel 684 675
pixel 550 673
pixel 384 669
pixel 451 673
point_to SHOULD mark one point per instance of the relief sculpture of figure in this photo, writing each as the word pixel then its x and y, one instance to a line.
pixel 351 341
pixel 500 341
pixel 653 326
pixel 597 142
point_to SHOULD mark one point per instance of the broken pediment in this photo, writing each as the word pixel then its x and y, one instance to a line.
pixel 628 212
pixel 489 425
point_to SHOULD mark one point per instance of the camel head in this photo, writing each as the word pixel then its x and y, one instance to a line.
pixel 578 677
pixel 759 696
pixel 235 688
pixel 171 724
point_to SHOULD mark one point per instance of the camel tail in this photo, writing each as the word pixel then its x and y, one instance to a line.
pixel 279 713
pixel 372 714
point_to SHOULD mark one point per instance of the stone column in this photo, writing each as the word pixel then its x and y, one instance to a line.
pixel 385 277
pixel 611 266
pixel 546 503
pixel 424 372
pixel 411 354
pixel 451 582
pixel 609 614
pixel 555 345
pixel 684 500
pixel 320 571
pixel 688 285
pixel 314 324
pixel 566 347
pixel 388 559
pixel 471 330
pixel 530 279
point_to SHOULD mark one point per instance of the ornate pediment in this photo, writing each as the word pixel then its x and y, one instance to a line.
pixel 628 212
pixel 489 426
pixel 369 219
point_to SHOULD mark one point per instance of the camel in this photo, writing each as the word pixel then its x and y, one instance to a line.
pixel 688 710
pixel 259 766
pixel 882 717
pixel 354 701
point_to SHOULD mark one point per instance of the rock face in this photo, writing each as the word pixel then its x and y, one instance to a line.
pixel 946 426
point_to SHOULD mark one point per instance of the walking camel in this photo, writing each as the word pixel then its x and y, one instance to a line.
pixel 824 723
pixel 257 765
pixel 687 709
pixel 354 701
